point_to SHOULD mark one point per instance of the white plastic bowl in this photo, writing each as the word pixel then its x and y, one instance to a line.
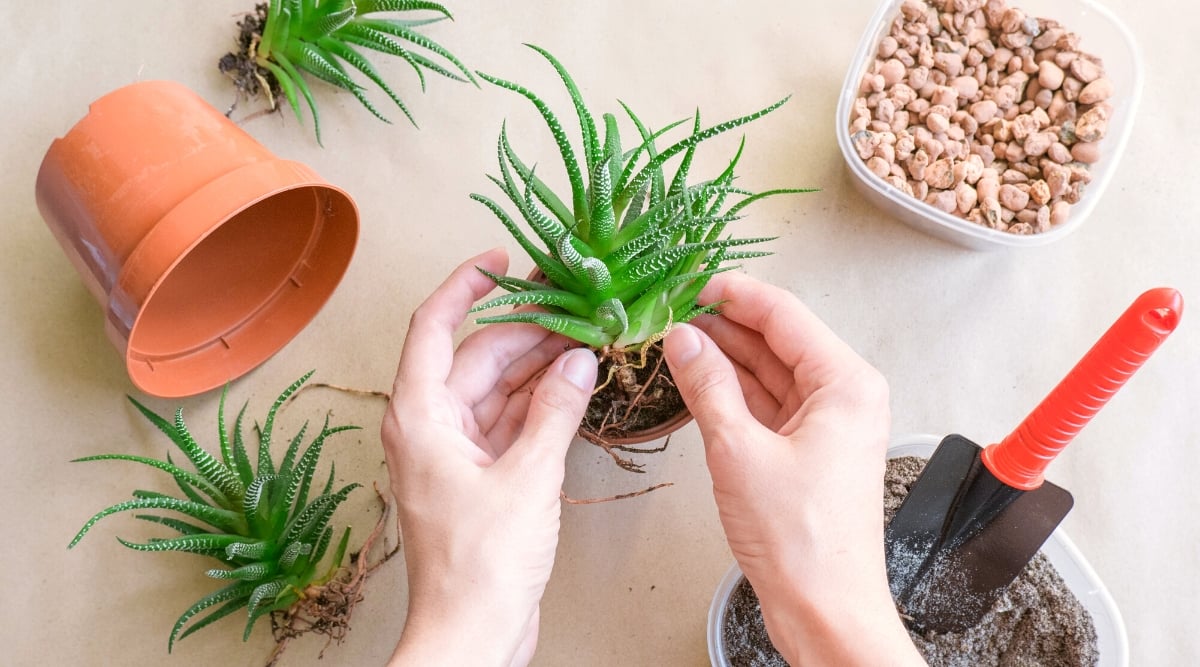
pixel 1112 641
pixel 1101 33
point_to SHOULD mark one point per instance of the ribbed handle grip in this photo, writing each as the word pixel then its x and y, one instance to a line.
pixel 1020 460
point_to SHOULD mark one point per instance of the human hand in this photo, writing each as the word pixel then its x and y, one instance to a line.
pixel 477 462
pixel 795 428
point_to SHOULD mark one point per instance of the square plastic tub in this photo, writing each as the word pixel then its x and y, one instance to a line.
pixel 1101 33
pixel 1112 641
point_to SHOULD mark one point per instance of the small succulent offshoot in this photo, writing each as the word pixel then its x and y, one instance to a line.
pixel 320 37
pixel 255 519
pixel 626 253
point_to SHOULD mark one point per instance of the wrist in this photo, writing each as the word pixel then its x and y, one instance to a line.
pixel 456 638
pixel 857 628
pixel 453 625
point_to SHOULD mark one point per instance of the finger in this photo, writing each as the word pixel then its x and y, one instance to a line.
pixel 509 419
pixel 793 332
pixel 495 361
pixel 708 383
pixel 748 349
pixel 555 410
pixel 429 345
pixel 516 382
pixel 761 403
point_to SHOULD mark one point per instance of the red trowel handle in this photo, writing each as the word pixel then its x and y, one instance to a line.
pixel 1021 459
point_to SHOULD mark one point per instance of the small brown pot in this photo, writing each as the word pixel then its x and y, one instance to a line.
pixel 207 252
pixel 681 419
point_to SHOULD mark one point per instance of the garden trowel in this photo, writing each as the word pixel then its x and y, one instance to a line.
pixel 976 516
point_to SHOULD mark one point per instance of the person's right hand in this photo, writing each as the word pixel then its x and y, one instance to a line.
pixel 795 428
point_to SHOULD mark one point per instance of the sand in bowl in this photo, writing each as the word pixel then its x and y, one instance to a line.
pixel 1036 622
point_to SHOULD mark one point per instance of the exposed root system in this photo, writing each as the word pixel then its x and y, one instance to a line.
pixel 327 609
pixel 634 392
pixel 250 79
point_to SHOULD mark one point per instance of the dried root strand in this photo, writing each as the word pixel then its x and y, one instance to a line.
pixel 327 609
pixel 621 496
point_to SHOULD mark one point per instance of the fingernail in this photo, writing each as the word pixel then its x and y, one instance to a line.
pixel 683 344
pixel 579 367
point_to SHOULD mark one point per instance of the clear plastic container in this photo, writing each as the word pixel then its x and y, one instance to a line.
pixel 1112 641
pixel 1101 33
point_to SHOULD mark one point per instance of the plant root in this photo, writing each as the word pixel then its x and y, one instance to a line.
pixel 621 496
pixel 371 393
pixel 327 609
pixel 636 394
pixel 249 78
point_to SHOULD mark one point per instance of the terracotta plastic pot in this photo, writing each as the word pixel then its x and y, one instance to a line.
pixel 207 252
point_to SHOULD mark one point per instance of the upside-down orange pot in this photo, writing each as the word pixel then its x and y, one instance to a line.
pixel 206 252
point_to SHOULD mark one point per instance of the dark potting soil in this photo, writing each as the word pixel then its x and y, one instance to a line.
pixel 1037 622
pixel 644 398
pixel 241 66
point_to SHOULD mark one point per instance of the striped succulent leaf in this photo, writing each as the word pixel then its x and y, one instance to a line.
pixel 323 38
pixel 256 521
pixel 636 246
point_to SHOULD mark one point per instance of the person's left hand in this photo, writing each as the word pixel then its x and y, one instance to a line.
pixel 477 460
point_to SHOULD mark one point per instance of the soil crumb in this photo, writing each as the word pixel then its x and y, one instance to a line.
pixel 1037 622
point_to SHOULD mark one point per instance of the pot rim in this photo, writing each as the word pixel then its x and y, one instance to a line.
pixel 185 228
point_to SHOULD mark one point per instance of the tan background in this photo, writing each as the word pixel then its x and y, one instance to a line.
pixel 969 341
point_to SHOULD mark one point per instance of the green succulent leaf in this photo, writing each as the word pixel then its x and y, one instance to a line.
pixel 264 536
pixel 554 270
pixel 544 194
pixel 213 470
pixel 251 572
pixel 190 543
pixel 183 476
pixel 224 610
pixel 236 595
pixel 315 517
pixel 587 124
pixel 250 550
pixel 695 138
pixel 634 249
pixel 183 527
pixel 577 328
pixel 509 283
pixel 548 298
pixel 317 37
pixel 292 552
pixel 241 459
pixel 574 175
pixel 223 520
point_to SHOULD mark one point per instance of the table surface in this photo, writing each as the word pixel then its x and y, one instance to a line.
pixel 969 341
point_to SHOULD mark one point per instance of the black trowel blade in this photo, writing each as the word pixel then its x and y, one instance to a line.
pixel 961 537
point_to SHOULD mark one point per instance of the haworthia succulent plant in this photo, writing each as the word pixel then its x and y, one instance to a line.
pixel 630 254
pixel 267 535
pixel 322 37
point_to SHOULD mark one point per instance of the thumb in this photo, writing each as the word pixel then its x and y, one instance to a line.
pixel 557 406
pixel 707 382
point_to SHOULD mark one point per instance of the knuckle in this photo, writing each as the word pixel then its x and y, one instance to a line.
pixel 706 381
pixel 419 314
pixel 871 385
pixel 560 398
pixel 862 389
